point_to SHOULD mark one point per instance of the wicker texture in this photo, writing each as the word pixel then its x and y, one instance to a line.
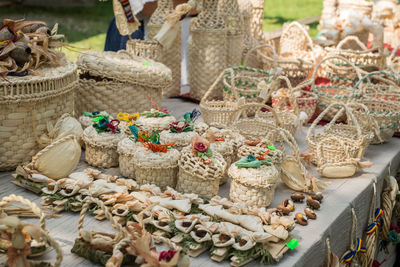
pixel 101 148
pixel 155 124
pixel 121 79
pixel 295 37
pixel 197 177
pixel 333 92
pixel 126 148
pixel 144 48
pixel 207 49
pixel 337 142
pixel 230 13
pixel 170 56
pixel 180 140
pixel 27 105
pixel 160 169
pixel 258 20
pixel 225 148
pixel 253 186
pixel 259 150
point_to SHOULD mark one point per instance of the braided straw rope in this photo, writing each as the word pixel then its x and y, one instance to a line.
pixel 371 239
pixel 42 217
pixel 197 177
pixel 353 234
pixel 387 206
pixel 331 258
pixel 123 82
pixel 171 56
pixel 328 94
pixel 215 111
pixel 121 232
pixel 353 142
pixel 27 104
pixel 207 49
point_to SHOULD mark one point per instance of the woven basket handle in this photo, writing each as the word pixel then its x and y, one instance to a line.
pixel 56 247
pixel 213 87
pixel 313 77
pixel 302 29
pixel 287 137
pixel 344 108
pixel 351 38
pixel 377 75
pixel 100 204
pixel 258 106
pixel 32 206
pixel 274 55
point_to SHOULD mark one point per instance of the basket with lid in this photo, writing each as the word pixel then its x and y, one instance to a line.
pixel 101 141
pixel 155 120
pixel 115 81
pixel 32 102
pixel 200 169
pixel 261 147
pixel 340 87
pixel 253 181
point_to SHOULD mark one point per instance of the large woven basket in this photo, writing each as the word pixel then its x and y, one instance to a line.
pixel 357 53
pixel 197 177
pixel 101 148
pixel 144 48
pixel 253 186
pixel 126 148
pixel 343 93
pixel 27 105
pixel 216 111
pixel 384 114
pixel 160 169
pixel 207 49
pixel 171 56
pixel 119 81
pixel 180 140
pixel 354 142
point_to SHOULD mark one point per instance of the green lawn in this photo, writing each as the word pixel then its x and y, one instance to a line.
pixel 86 27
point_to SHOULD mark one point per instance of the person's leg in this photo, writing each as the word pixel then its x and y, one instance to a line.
pixel 115 41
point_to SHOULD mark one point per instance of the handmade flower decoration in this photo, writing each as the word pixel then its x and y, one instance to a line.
pixel 128 117
pixel 151 142
pixel 101 124
pixel 252 162
pixel 186 124
pixel 201 148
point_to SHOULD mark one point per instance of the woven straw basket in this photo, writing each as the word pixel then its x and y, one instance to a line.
pixel 257 20
pixel 259 150
pixel 197 177
pixel 171 56
pixel 180 140
pixel 144 48
pixel 155 123
pixel 216 111
pixel 27 105
pixel 234 137
pixel 354 142
pixel 253 186
pixel 357 53
pixel 126 148
pixel 101 148
pixel 225 148
pixel 207 49
pixel 287 120
pixel 119 81
pixel 160 169
pixel 331 93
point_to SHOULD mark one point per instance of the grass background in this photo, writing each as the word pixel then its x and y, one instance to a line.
pixel 86 27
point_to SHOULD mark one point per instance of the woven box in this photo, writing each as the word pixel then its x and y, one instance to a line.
pixel 197 177
pixel 113 82
pixel 160 169
pixel 126 148
pixel 27 105
pixel 101 148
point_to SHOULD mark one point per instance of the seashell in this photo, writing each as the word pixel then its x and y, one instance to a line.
pixel 297 197
pixel 39 178
pixel 317 196
pixel 69 190
pixel 186 225
pixel 163 225
pixel 59 159
pixel 301 219
pixel 310 213
pixel 223 240
pixel 120 210
pixel 244 243
pixel 314 204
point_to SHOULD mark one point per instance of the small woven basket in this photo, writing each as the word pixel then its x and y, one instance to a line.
pixel 216 111
pixel 225 148
pixel 126 148
pixel 101 148
pixel 144 48
pixel 160 169
pixel 197 177
pixel 259 150
pixel 119 81
pixel 357 53
pixel 155 123
pixel 253 186
pixel 331 93
pixel 180 140
pixel 354 141
pixel 288 120
pixel 27 105
pixel 294 38
pixel 236 139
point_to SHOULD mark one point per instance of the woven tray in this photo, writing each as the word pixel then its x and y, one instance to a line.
pixel 27 105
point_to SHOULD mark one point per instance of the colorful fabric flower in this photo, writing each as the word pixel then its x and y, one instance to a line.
pixel 167 255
